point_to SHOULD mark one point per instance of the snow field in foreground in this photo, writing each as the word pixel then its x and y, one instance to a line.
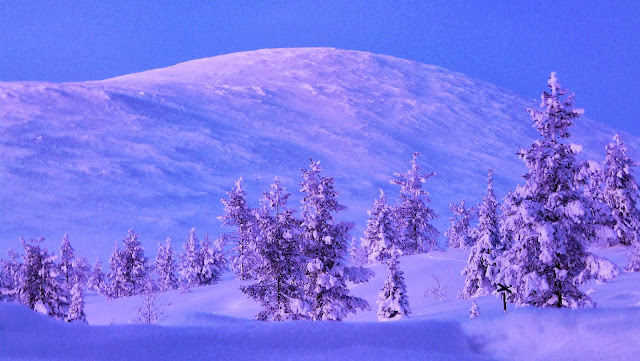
pixel 214 322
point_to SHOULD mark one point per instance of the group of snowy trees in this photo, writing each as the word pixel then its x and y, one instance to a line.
pixel 296 265
pixel 131 272
pixel 403 229
pixel 37 281
pixel 55 284
pixel 536 246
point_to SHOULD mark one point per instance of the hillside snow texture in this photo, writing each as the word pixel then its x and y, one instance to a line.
pixel 156 151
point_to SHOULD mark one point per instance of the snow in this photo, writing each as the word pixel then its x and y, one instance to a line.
pixel 99 158
pixel 216 322
pixel 156 151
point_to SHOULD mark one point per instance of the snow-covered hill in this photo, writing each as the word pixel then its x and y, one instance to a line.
pixel 155 151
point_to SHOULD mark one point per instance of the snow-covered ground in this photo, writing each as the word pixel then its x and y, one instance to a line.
pixel 215 322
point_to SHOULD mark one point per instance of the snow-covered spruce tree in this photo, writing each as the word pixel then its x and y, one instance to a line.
pixel 382 234
pixel 633 258
pixel 357 253
pixel 393 301
pixel 483 259
pixel 621 193
pixel 213 261
pixel 280 271
pixel 10 271
pixel 96 279
pixel 81 271
pixel 414 214
pixel 474 311
pixel 239 215
pixel 460 234
pixel 190 265
pixel 136 264
pixel 548 218
pixel 128 268
pixel 165 267
pixel 76 309
pixel 66 262
pixel 591 179
pixel 116 278
pixel 325 246
pixel 40 288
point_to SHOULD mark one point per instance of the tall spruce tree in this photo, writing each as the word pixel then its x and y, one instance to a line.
pixel 280 271
pixel 116 278
pixel 418 234
pixel 66 262
pixel 165 267
pixel 10 271
pixel 325 247
pixel 239 215
pixel 76 309
pixel 40 287
pixel 620 192
pixel 81 271
pixel 191 261
pixel 633 258
pixel 214 262
pixel 548 217
pixel 383 232
pixel 96 279
pixel 460 234
pixel 357 253
pixel 129 268
pixel 483 263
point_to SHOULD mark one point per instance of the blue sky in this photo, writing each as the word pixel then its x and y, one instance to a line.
pixel 594 45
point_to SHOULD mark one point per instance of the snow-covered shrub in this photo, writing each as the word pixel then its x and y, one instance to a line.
pixel 474 311
pixel 438 290
pixel 633 258
pixel 152 309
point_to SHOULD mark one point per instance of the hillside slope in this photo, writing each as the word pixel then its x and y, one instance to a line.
pixel 155 151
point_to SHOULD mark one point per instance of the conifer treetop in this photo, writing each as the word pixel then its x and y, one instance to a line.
pixel 557 112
